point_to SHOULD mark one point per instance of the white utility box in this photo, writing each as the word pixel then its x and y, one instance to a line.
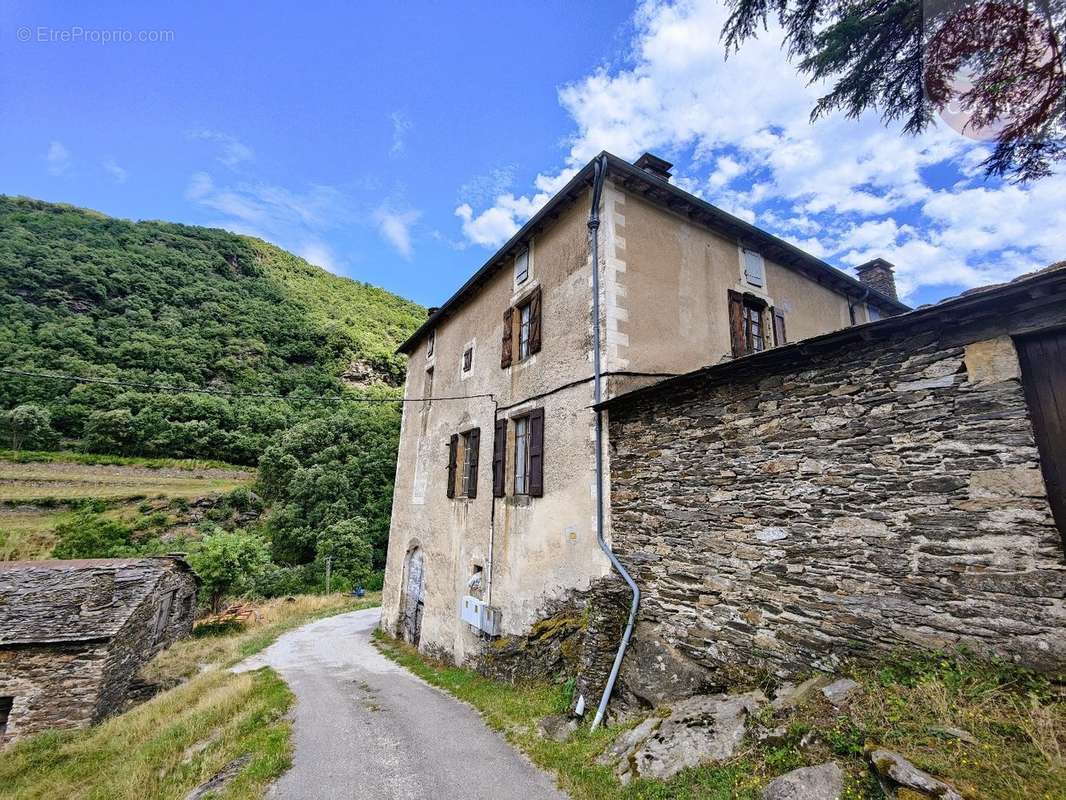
pixel 480 615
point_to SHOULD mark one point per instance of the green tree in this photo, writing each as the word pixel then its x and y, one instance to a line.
pixel 910 59
pixel 346 544
pixel 229 563
pixel 29 426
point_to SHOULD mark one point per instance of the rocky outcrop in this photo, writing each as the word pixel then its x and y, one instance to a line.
pixel 894 771
pixel 824 782
pixel 705 729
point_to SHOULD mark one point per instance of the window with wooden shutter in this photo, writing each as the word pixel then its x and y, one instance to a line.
pixel 453 453
pixel 534 322
pixel 736 323
pixel 505 351
pixel 754 267
pixel 499 458
pixel 536 452
pixel 779 327
pixel 473 446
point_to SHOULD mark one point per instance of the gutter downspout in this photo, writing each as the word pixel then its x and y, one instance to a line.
pixel 600 174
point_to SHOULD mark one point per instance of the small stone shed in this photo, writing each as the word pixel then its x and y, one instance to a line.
pixel 73 635
pixel 897 484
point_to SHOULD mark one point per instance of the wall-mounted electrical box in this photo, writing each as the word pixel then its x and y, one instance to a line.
pixel 480 615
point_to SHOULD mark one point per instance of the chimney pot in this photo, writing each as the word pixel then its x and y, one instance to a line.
pixel 654 165
pixel 878 274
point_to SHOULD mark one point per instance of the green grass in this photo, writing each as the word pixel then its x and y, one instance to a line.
pixel 1018 720
pixel 171 744
pixel 71 457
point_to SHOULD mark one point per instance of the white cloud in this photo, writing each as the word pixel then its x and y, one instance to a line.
pixel 232 151
pixel 114 170
pixel 319 253
pixel 57 158
pixel 401 126
pixel 845 189
pixel 200 185
pixel 395 228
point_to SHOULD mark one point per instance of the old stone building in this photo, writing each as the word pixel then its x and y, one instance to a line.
pixel 74 633
pixel 892 485
pixel 496 509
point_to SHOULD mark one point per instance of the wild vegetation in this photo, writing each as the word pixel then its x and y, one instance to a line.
pixel 266 358
pixel 1012 726
pixel 205 719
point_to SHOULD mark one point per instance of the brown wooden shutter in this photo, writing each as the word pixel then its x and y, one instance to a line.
pixel 536 452
pixel 505 352
pixel 499 458
pixel 779 327
pixel 736 324
pixel 453 450
pixel 534 322
pixel 473 441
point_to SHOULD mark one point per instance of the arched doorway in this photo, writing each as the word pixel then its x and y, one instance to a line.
pixel 414 596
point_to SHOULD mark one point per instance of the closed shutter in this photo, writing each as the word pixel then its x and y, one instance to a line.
pixel 536 452
pixel 779 327
pixel 736 324
pixel 499 458
pixel 473 442
pixel 453 449
pixel 754 268
pixel 534 322
pixel 505 352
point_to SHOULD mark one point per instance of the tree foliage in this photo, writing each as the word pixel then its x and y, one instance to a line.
pixel 230 563
pixel 28 426
pixel 999 60
pixel 189 307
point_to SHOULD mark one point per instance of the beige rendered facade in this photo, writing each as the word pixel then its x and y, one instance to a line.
pixel 667 280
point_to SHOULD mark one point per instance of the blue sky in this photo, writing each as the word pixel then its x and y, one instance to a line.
pixel 400 143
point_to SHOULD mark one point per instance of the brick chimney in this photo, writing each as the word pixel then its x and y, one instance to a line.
pixel 878 274
pixel 654 165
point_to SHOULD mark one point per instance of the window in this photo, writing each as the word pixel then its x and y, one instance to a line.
pixel 6 704
pixel 521 322
pixel 747 324
pixel 468 359
pixel 872 313
pixel 427 386
pixel 521 455
pixel 529 454
pixel 463 463
pixel 430 344
pixel 521 267
pixel 754 267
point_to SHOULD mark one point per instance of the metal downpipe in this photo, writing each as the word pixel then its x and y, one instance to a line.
pixel 600 173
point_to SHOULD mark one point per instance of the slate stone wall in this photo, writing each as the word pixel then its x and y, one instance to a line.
pixel 843 502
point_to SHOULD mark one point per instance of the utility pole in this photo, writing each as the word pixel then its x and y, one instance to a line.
pixel 329 563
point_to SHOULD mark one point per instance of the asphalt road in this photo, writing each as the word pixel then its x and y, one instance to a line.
pixel 366 728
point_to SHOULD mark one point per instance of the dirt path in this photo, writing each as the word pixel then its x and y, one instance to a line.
pixel 365 727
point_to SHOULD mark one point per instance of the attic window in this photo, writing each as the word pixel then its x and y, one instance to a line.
pixel 754 267
pixel 521 267
pixel 468 359
pixel 6 704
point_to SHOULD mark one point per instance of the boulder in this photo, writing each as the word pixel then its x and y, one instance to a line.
pixel 705 729
pixel 897 771
pixel 789 695
pixel 839 692
pixel 656 674
pixel 824 782
pixel 629 741
pixel 558 727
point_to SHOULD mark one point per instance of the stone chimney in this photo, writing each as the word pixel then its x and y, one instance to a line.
pixel 654 165
pixel 878 274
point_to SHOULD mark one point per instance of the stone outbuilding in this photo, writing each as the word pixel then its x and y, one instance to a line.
pixel 73 635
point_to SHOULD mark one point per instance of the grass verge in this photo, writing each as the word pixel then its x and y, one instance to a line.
pixel 72 457
pixel 1013 725
pixel 169 745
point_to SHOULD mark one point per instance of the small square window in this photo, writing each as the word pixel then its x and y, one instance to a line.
pixel 468 359
pixel 521 267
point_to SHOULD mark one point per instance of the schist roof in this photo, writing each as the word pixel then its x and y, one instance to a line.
pixel 658 190
pixel 75 601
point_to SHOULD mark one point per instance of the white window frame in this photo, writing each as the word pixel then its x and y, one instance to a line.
pixel 464 481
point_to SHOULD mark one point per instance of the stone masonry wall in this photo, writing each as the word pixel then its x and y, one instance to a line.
pixel 860 499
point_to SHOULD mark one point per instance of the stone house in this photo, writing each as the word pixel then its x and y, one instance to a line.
pixel 892 485
pixel 496 511
pixel 73 635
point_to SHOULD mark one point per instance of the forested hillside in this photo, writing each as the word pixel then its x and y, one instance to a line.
pixel 288 350
pixel 154 302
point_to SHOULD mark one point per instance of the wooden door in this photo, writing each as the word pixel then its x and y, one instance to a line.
pixel 1043 362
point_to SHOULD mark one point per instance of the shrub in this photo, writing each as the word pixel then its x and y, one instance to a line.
pixel 89 535
pixel 230 563
pixel 29 426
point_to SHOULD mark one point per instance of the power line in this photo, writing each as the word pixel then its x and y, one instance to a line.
pixel 161 388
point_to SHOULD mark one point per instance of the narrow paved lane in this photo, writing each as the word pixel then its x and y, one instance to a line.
pixel 366 728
